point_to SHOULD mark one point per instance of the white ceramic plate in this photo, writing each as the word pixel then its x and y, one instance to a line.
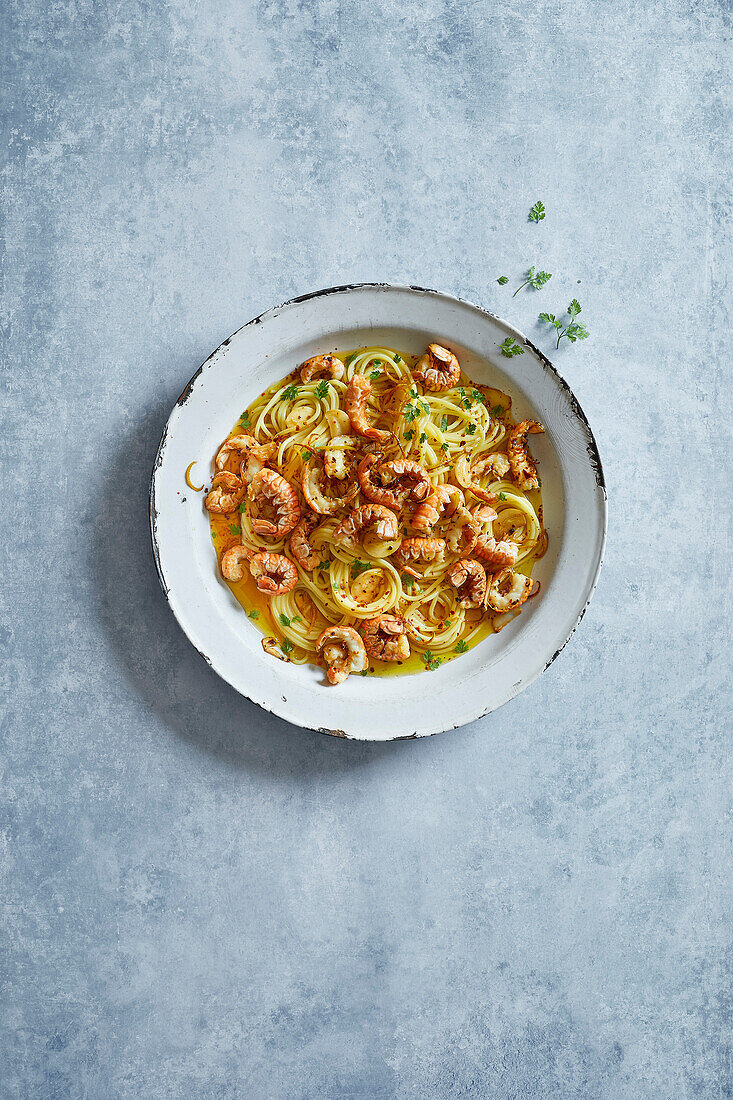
pixel 407 319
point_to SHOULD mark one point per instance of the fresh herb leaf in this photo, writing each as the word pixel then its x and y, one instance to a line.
pixel 537 279
pixel 324 565
pixel 375 375
pixel 572 330
pixel 410 434
pixel 365 672
pixel 503 280
pixel 476 395
pixel 377 362
pixel 284 620
pixel 234 530
pixel 444 446
pixel 397 358
pixel 358 567
pixel 471 429
pixel 502 496
pixel 290 393
pixel 253 614
pixel 431 662
pixel 496 411
pixel 322 389
pixel 244 419
pixel 424 406
pixel 286 645
pixel 305 455
pixel 510 348
pixel 461 646
pixel 243 507
pixel 423 437
pixel 444 423
pixel 537 212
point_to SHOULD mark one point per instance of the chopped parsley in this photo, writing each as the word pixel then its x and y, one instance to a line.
pixel 234 530
pixel 358 567
pixel 244 419
pixel 470 429
pixel 410 434
pixel 496 411
pixel 444 423
pixel 503 280
pixel 322 389
pixel 253 614
pixel 290 393
pixel 284 620
pixel 375 375
pixel 461 647
pixel 502 496
pixel 243 507
pixel 476 395
pixel 412 411
pixel 537 212
pixel 305 455
pixel 397 358
pixel 324 565
pixel 444 446
pixel 431 662
pixel 423 437
pixel 286 646
pixel 365 672
pixel 510 348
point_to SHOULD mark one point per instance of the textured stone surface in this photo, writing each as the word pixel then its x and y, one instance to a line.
pixel 198 900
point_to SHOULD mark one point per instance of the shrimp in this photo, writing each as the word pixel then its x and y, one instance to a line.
pixel 438 369
pixel 401 479
pixel 494 555
pixel 238 444
pixel 255 459
pixel 227 493
pixel 508 590
pixel 444 498
pixel 343 651
pixel 321 366
pixel 355 403
pixel 337 463
pixel 484 513
pixel 273 573
pixel 368 515
pixel 524 471
pixel 232 561
pixel 385 638
pixel 469 578
pixel 418 550
pixel 462 533
pixel 300 547
pixel 269 490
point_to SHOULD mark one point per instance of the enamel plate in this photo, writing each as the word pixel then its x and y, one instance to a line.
pixel 407 319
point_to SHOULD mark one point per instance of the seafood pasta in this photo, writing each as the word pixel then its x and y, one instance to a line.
pixel 376 512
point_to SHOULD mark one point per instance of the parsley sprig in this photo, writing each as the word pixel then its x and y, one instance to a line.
pixel 322 389
pixel 431 662
pixel 412 411
pixel 509 348
pixel 537 212
pixel 537 279
pixel 290 393
pixel 503 280
pixel 572 330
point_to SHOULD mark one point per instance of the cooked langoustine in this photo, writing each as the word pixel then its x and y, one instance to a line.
pixel 300 547
pixel 524 470
pixel 236 445
pixel 274 574
pixel 232 562
pixel 484 513
pixel 495 465
pixel 508 590
pixel 399 480
pixel 468 577
pixel 255 459
pixel 321 366
pixel 385 638
pixel 443 499
pixel 462 532
pixel 377 516
pixel 271 494
pixel 419 549
pixel 227 493
pixel 495 555
pixel 343 652
pixel 355 402
pixel 438 369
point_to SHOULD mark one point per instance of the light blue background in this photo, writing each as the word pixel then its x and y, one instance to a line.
pixel 199 900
